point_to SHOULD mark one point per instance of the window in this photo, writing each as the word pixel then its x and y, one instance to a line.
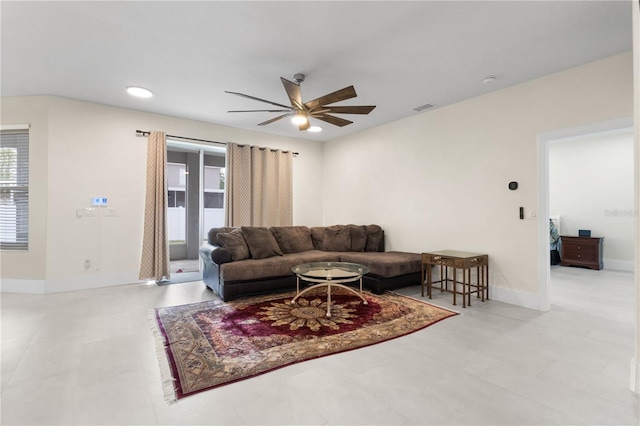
pixel 14 189
pixel 213 187
pixel 214 200
pixel 176 199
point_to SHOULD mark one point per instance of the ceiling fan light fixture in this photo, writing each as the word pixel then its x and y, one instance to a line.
pixel 314 129
pixel 299 118
pixel 321 108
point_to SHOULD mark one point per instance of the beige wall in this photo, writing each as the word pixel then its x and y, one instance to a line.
pixel 433 181
pixel 438 180
pixel 80 150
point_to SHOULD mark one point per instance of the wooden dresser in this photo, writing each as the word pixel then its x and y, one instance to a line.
pixel 582 251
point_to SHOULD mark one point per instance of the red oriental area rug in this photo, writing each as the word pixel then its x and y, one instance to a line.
pixel 214 343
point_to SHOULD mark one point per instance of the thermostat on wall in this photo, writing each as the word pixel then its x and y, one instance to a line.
pixel 99 201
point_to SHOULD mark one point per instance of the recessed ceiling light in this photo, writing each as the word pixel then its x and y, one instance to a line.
pixel 489 80
pixel 139 92
pixel 314 129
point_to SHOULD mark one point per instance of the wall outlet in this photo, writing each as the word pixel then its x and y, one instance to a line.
pixel 87 264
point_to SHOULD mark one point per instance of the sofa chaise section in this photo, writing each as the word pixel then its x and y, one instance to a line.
pixel 387 270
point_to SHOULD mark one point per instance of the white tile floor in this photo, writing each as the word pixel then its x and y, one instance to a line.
pixel 89 358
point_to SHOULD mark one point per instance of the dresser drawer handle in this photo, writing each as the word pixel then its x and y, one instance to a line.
pixel 579 256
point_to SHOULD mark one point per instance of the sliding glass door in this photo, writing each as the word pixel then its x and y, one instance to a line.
pixel 195 178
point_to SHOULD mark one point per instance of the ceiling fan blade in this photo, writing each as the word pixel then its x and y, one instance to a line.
pixel 293 91
pixel 262 110
pixel 349 109
pixel 337 96
pixel 257 99
pixel 336 121
pixel 264 123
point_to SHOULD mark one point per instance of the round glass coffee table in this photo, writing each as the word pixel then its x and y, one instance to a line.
pixel 329 274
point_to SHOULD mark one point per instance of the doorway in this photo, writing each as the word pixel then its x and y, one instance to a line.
pixel 544 141
pixel 195 184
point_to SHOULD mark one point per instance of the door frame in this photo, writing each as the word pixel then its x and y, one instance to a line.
pixel 544 139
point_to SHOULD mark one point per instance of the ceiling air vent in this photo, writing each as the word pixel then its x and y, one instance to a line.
pixel 424 107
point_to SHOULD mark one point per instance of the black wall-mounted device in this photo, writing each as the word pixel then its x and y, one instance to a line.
pixel 521 212
pixel 513 185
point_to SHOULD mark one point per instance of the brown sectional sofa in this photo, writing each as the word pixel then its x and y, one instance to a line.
pixel 253 260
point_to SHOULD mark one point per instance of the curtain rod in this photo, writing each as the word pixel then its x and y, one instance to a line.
pixel 146 133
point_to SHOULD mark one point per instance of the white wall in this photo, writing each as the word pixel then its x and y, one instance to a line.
pixel 591 187
pixel 80 150
pixel 438 180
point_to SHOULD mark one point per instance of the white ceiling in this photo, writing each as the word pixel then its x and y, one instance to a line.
pixel 398 55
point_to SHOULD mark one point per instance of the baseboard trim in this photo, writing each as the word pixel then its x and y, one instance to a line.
pixel 619 265
pixel 87 282
pixel 12 285
pixel 516 297
pixel 84 282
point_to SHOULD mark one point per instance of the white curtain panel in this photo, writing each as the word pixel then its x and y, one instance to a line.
pixel 259 188
pixel 155 247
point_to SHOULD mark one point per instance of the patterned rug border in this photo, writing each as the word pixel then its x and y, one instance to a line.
pixel 168 368
pixel 163 354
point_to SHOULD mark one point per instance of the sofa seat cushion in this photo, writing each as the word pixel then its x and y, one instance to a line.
pixel 385 264
pixel 278 266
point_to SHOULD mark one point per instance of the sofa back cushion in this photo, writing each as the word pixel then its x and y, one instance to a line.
pixel 336 238
pixel 375 238
pixel 235 244
pixel 344 238
pixel 317 237
pixel 261 242
pixel 358 237
pixel 213 234
pixel 292 239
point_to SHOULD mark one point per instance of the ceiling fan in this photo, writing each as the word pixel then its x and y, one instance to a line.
pixel 319 108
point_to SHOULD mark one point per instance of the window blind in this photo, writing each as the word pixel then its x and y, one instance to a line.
pixel 14 189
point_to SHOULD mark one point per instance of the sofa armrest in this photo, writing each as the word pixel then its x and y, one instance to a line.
pixel 215 254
